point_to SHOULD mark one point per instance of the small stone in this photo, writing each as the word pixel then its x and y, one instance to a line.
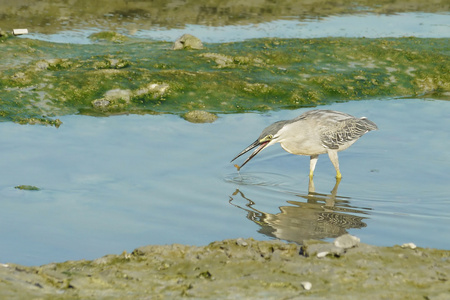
pixel 221 60
pixel 42 65
pixel 200 116
pixel 322 254
pixel 409 245
pixel 187 41
pixel 312 248
pixel 118 94
pixel 306 285
pixel 3 33
pixel 100 103
pixel 153 91
pixel 113 98
pixel 346 241
pixel 241 242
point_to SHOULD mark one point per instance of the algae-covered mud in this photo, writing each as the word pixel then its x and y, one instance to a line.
pixel 115 75
pixel 241 269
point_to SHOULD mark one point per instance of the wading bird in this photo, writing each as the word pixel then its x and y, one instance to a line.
pixel 313 133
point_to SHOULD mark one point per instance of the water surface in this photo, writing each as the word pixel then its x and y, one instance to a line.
pixel 117 183
pixel 417 24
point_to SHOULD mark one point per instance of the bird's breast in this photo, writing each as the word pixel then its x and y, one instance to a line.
pixel 303 148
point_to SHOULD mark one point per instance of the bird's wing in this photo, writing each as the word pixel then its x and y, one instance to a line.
pixel 345 131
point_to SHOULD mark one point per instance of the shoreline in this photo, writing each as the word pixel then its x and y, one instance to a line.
pixel 240 268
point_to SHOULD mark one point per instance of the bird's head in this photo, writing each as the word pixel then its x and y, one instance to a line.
pixel 268 137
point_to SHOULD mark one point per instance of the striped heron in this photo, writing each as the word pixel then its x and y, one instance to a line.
pixel 313 133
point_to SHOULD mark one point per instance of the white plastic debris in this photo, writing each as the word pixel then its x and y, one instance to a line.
pixel 20 31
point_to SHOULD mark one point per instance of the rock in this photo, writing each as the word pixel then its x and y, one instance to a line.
pixel 322 254
pixel 409 245
pixel 241 242
pixel 118 94
pixel 100 103
pixel 346 241
pixel 221 60
pixel 3 34
pixel 113 99
pixel 200 116
pixel 187 41
pixel 153 91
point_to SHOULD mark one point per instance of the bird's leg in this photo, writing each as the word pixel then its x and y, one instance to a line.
pixel 311 188
pixel 334 159
pixel 312 165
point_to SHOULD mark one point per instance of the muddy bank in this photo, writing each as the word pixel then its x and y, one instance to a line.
pixel 240 269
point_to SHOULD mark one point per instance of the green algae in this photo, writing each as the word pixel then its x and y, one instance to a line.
pixel 27 187
pixel 40 80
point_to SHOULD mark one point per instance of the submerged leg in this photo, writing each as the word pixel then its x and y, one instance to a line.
pixel 332 154
pixel 312 164
pixel 311 188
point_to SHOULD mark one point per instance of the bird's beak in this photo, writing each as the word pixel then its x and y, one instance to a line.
pixel 261 144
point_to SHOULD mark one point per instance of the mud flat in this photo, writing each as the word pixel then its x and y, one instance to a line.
pixel 240 269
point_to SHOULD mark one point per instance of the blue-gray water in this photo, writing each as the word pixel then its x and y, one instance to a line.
pixel 117 183
pixel 421 25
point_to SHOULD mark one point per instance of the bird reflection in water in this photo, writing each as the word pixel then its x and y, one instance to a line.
pixel 321 216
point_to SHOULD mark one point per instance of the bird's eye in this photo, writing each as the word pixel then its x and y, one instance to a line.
pixel 267 138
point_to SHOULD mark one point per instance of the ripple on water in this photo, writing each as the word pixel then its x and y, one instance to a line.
pixel 258 179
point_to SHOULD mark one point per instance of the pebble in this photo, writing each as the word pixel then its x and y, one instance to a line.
pixel 187 41
pixel 346 241
pixel 320 249
pixel 241 242
pixel 200 116
pixel 306 285
pixel 117 94
pixel 409 245
pixel 100 103
pixel 153 90
pixel 322 254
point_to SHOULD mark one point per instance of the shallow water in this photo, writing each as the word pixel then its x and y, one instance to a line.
pixel 421 25
pixel 113 184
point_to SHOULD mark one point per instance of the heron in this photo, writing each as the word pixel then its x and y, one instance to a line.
pixel 313 133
